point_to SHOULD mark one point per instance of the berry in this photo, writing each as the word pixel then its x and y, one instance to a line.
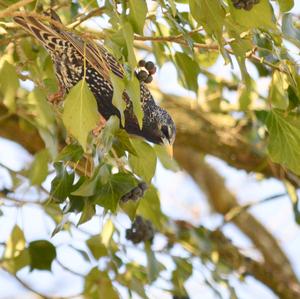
pixel 142 75
pixel 244 4
pixel 136 193
pixel 142 63
pixel 143 186
pixel 152 71
pixel 149 65
pixel 148 79
pixel 140 231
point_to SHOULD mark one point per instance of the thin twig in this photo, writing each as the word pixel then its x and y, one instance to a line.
pixel 236 211
pixel 6 12
pixel 32 290
pixel 68 269
pixel 92 13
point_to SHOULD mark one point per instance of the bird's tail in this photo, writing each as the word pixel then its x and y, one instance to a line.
pixel 48 36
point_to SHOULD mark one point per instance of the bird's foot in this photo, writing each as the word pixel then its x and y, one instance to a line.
pixel 56 97
pixel 100 126
pixel 145 74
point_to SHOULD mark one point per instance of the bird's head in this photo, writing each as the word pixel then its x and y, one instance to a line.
pixel 158 125
pixel 159 128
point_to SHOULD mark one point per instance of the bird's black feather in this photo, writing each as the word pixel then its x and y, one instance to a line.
pixel 68 52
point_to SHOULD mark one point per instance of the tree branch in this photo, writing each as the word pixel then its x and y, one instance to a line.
pixel 197 130
pixel 222 200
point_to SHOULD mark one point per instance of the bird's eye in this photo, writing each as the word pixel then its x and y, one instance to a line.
pixel 165 131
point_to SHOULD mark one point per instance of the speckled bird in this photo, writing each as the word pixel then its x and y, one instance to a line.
pixel 67 51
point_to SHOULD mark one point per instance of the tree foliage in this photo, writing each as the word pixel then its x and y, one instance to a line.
pixel 100 176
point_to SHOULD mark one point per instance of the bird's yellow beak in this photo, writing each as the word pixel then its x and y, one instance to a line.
pixel 168 147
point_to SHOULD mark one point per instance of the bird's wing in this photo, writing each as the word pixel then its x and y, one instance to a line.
pixel 94 53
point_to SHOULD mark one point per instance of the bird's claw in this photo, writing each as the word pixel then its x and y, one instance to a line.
pixel 56 97
pixel 101 124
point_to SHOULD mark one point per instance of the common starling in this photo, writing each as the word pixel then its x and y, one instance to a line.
pixel 67 51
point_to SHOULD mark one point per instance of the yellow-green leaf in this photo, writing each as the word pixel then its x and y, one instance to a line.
pixel 133 91
pixel 39 168
pixel 96 246
pixel 278 94
pixel 118 100
pixel 38 105
pixel 210 14
pixel 137 14
pixel 144 163
pixel 15 243
pixel 16 255
pixel 80 113
pixel 284 140
pixel 128 36
pixel 9 84
pixel 285 5
pixel 260 16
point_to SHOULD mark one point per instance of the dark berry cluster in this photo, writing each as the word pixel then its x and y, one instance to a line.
pixel 244 4
pixel 146 73
pixel 140 231
pixel 136 193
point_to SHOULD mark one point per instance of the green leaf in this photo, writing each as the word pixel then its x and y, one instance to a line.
pixel 88 4
pixel 80 113
pixel 118 99
pixel 260 16
pixel 89 210
pixel 144 164
pixel 130 207
pixel 96 247
pixel 38 171
pixel 9 84
pixel 15 243
pixel 244 98
pixel 134 92
pixel 61 185
pixel 71 152
pixel 108 132
pixel 40 107
pixel 278 94
pixel 182 272
pixel 128 36
pixel 189 71
pixel 152 264
pixel 284 140
pixel 98 285
pixel 285 5
pixel 125 141
pixel 165 158
pixel 137 15
pixel 107 232
pixel 15 254
pixel 110 193
pixel 173 8
pixel 61 225
pixel 209 14
pixel 88 188
pixel 241 44
pixel 149 208
pixel 42 253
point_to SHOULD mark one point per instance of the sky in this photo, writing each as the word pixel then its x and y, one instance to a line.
pixel 186 201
